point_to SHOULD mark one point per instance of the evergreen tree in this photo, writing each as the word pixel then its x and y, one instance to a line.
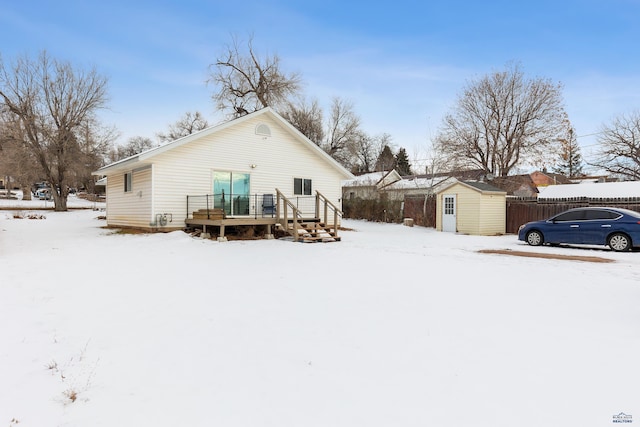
pixel 570 162
pixel 403 166
pixel 386 160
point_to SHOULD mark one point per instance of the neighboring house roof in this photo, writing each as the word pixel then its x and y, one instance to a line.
pixel 414 183
pixel 542 178
pixel 593 179
pixel 627 189
pixel 462 175
pixel 379 180
pixel 143 158
pixel 516 185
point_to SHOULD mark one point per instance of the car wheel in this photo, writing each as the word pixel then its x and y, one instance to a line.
pixel 534 238
pixel 619 242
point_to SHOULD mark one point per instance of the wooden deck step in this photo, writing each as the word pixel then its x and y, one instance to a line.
pixel 209 214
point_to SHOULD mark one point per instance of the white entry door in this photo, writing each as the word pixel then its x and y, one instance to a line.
pixel 449 213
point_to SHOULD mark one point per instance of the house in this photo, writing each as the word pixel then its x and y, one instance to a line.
pixel 255 170
pixel 369 185
pixel 413 185
pixel 544 178
pixel 391 185
pixel 471 207
pixel 516 185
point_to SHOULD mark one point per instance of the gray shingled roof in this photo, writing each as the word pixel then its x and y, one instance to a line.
pixel 483 186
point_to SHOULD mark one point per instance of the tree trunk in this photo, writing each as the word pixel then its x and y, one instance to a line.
pixel 60 198
pixel 26 193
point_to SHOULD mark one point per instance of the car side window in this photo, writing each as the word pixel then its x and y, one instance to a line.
pixel 570 216
pixel 601 215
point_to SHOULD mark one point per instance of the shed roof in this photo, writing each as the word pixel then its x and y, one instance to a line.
pixel 480 186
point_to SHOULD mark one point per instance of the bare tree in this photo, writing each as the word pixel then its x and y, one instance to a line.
pixel 247 83
pixel 188 124
pixel 501 121
pixel 619 146
pixel 343 131
pixel 307 117
pixel 94 143
pixel 50 102
pixel 367 149
pixel 134 145
pixel 18 164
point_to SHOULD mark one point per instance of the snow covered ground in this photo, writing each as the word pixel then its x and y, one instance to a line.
pixel 393 326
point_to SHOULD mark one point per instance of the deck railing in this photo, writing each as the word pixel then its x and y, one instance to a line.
pixel 290 212
pixel 232 205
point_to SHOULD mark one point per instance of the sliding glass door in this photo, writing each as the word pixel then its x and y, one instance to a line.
pixel 231 192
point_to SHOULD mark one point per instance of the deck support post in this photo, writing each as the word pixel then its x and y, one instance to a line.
pixel 204 234
pixel 269 235
pixel 221 237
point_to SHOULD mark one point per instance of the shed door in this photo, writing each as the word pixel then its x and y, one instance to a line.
pixel 449 213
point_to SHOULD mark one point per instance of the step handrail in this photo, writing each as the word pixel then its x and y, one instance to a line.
pixel 328 204
pixel 283 217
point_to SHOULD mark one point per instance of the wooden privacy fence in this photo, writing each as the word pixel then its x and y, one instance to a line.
pixel 522 210
pixel 422 208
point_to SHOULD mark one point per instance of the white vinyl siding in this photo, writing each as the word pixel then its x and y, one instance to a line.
pixel 272 162
pixel 131 208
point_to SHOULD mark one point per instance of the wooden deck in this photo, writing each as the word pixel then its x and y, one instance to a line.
pixel 285 215
pixel 231 222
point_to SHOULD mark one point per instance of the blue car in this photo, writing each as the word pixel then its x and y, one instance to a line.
pixel 617 228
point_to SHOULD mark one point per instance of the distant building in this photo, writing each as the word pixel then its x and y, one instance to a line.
pixel 544 178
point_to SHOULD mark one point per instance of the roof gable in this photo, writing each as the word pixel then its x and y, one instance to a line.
pixel 148 155
pixel 379 180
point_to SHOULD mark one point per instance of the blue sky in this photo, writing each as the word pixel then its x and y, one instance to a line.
pixel 401 63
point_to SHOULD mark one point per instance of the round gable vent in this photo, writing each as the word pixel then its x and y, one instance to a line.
pixel 263 130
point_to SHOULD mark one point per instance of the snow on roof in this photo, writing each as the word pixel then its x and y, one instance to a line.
pixel 596 190
pixel 363 180
pixel 411 183
pixel 374 179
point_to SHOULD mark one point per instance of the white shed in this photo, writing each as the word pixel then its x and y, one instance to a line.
pixel 471 207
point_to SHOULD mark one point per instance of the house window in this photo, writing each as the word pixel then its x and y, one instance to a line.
pixel 128 181
pixel 301 186
pixel 231 192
